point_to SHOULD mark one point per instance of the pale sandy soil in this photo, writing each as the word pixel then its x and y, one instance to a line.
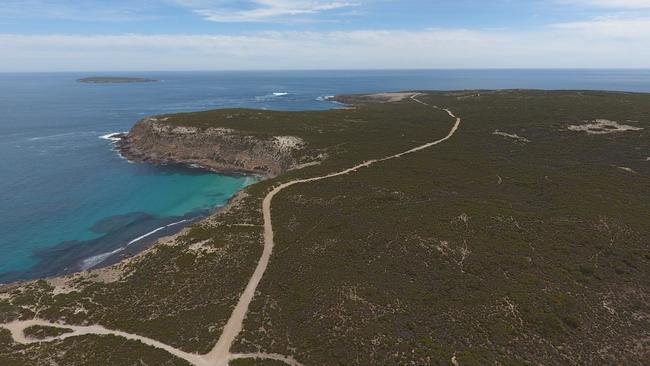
pixel 629 170
pixel 602 127
pixel 390 97
pixel 288 143
pixel 510 136
pixel 305 165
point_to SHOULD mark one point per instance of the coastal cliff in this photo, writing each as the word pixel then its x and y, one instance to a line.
pixel 224 150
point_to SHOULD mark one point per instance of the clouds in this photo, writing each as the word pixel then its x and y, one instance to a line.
pixel 612 27
pixel 627 21
pixel 262 10
pixel 615 4
pixel 210 10
pixel 88 10
pixel 565 45
pixel 252 34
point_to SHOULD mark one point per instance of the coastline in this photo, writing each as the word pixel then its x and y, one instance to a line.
pixel 108 267
pixel 143 242
pixel 140 242
pixel 332 259
pixel 132 248
pixel 112 268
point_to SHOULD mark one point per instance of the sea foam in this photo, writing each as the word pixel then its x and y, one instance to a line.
pixel 51 136
pixel 112 136
pixel 91 262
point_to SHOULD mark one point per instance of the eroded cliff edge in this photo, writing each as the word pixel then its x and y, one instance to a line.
pixel 224 150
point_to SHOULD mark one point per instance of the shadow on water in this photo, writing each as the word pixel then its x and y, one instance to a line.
pixel 173 169
pixel 122 236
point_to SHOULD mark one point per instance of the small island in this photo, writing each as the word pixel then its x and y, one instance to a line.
pixel 113 80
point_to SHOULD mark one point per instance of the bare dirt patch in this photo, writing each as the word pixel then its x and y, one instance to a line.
pixel 390 97
pixel 629 170
pixel 602 126
pixel 511 136
pixel 288 143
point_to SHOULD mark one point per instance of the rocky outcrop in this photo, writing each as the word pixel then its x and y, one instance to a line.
pixel 222 150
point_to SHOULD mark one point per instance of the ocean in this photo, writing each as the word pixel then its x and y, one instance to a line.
pixel 69 201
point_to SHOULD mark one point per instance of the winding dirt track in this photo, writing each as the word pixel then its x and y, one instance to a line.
pixel 220 355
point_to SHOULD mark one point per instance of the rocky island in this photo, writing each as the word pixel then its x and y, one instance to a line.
pixel 114 80
pixel 417 228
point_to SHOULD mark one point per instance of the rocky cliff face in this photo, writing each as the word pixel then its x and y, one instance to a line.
pixel 218 149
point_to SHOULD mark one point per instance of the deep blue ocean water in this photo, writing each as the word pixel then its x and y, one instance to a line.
pixel 67 199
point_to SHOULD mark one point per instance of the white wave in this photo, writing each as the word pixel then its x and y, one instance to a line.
pixel 250 180
pixel 326 98
pixel 113 139
pixel 50 136
pixel 154 231
pixel 281 94
pixel 176 223
pixel 117 151
pixel 145 235
pixel 112 136
pixel 97 259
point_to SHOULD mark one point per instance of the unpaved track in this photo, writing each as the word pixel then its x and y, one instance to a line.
pixel 17 332
pixel 220 355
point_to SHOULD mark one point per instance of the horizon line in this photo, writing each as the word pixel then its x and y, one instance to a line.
pixel 339 69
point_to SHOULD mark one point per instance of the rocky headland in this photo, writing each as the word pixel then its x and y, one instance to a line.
pixel 155 140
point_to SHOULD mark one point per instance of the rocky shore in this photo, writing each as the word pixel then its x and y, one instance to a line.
pixel 154 140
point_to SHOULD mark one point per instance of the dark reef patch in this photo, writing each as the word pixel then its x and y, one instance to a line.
pixel 119 233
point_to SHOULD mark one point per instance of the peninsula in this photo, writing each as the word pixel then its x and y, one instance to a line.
pixel 422 228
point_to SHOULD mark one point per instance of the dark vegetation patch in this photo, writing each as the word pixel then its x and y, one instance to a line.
pixel 424 258
pixel 41 332
pixel 85 351
pixel 255 362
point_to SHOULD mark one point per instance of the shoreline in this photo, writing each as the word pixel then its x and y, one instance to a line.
pixel 138 247
pixel 221 353
pixel 106 270
pixel 132 248
pixel 145 241
pixel 135 246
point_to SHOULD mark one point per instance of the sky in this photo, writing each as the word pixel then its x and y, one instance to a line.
pixel 119 35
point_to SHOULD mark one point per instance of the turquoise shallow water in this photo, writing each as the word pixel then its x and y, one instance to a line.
pixel 67 199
